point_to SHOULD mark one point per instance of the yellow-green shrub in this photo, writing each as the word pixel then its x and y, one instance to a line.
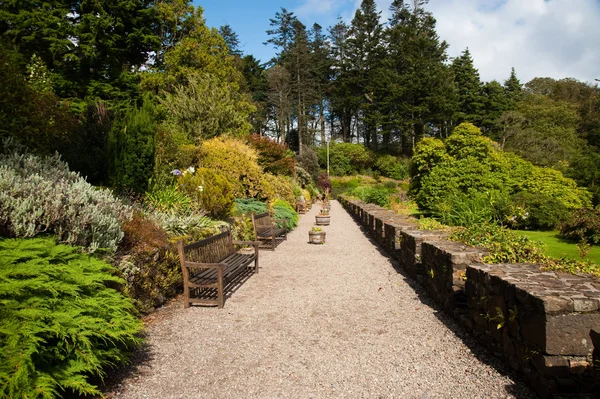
pixel 278 187
pixel 213 189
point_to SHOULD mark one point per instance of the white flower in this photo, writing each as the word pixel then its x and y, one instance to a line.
pixel 191 169
pixel 200 188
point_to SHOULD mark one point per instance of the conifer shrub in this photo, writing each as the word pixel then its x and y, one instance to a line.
pixel 244 206
pixel 41 195
pixel 61 320
pixel 274 158
pixel 283 210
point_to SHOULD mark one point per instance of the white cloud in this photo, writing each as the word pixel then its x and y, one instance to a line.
pixel 554 38
pixel 557 38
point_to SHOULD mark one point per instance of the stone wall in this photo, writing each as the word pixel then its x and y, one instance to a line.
pixel 546 325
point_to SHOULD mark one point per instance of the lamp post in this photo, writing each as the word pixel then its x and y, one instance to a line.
pixel 327 140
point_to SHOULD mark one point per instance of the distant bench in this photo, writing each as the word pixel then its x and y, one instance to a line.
pixel 213 263
pixel 267 232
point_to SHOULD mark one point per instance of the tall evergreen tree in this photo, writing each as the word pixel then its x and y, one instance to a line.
pixel 365 47
pixel 282 33
pixel 495 104
pixel 424 94
pixel 321 72
pixel 343 104
pixel 470 89
pixel 232 40
pixel 513 89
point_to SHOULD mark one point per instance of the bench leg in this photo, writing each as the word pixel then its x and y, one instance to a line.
pixel 186 296
pixel 273 242
pixel 220 288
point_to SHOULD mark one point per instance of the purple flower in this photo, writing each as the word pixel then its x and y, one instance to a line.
pixel 176 172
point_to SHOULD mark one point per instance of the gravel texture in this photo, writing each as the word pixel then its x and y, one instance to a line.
pixel 319 321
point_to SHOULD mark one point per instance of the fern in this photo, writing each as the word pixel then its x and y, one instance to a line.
pixel 59 321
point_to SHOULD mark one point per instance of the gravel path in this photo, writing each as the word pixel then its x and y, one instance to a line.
pixel 318 321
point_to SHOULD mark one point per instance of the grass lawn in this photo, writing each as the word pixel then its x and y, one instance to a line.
pixel 557 247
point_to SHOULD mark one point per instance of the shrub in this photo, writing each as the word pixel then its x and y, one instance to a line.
pixel 244 206
pixel 345 158
pixel 303 177
pixel 168 198
pixel 211 188
pixel 60 323
pixel 40 195
pixel 283 210
pixel 324 183
pixel 469 163
pixel 504 245
pixel 273 157
pixel 379 194
pixel 583 224
pixel 278 187
pixel 392 167
pixel 309 162
pixel 460 209
pixel 132 145
pixel 343 185
pixel 176 224
pixel 237 163
pixel 540 211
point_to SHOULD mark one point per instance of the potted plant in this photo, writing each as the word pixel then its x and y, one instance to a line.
pixel 323 218
pixel 316 235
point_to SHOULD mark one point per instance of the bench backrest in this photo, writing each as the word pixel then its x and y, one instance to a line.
pixel 262 221
pixel 210 250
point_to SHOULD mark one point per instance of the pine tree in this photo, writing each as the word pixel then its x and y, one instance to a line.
pixel 423 95
pixel 513 89
pixel 232 40
pixel 343 104
pixel 321 70
pixel 365 47
pixel 495 104
pixel 282 33
pixel 470 89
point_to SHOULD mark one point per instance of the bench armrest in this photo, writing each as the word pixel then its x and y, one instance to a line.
pixel 281 220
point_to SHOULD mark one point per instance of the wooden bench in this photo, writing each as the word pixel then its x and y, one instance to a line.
pixel 301 207
pixel 266 231
pixel 212 264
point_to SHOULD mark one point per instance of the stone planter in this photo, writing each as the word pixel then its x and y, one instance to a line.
pixel 322 220
pixel 316 237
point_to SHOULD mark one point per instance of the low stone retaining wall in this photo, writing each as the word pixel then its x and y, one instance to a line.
pixel 545 324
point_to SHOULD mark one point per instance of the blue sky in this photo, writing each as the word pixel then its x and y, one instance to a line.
pixel 554 38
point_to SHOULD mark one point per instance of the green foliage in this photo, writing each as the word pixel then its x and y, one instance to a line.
pixel 205 107
pixel 430 224
pixel 212 190
pixel 303 177
pixel 283 210
pixel 278 187
pixel 392 167
pixel 40 195
pixel 453 178
pixel 35 118
pixel 379 194
pixel 244 206
pixel 273 157
pixel 60 323
pixel 584 224
pixel 541 211
pixel 132 144
pixel 505 246
pixel 345 158
pixel 168 198
pixel 237 163
pixel 428 154
pixel 460 209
